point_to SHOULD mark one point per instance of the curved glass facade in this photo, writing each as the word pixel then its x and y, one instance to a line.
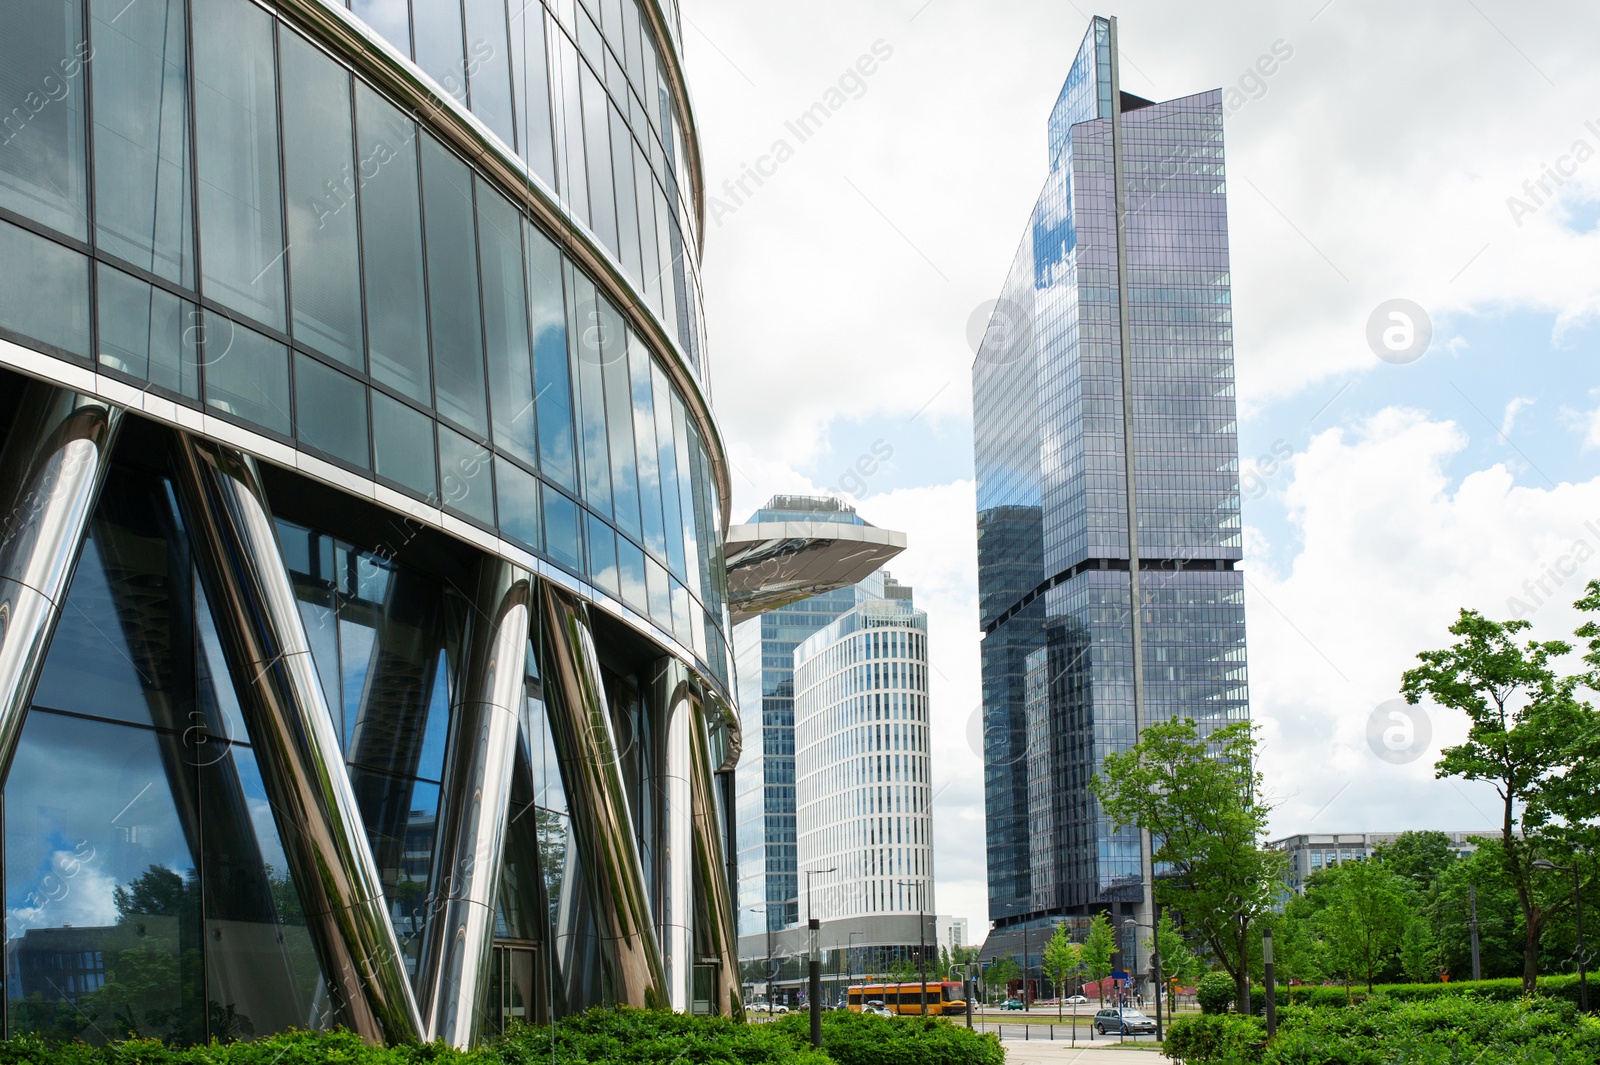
pixel 348 479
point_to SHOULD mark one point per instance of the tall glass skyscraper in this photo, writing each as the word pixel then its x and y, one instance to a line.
pixel 1107 469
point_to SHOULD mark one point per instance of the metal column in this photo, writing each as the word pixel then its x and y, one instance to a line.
pixel 715 909
pixel 474 803
pixel 51 472
pixel 675 900
pixel 602 822
pixel 287 715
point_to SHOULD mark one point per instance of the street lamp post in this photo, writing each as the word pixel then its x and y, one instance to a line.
pixel 1155 966
pixel 814 965
pixel 922 938
pixel 763 911
pixel 1577 900
pixel 1270 979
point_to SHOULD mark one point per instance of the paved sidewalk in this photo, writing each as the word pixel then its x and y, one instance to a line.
pixel 1036 1052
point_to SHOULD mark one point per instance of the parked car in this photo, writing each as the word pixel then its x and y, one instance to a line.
pixel 778 1007
pixel 1126 1022
pixel 1075 1000
pixel 1011 1004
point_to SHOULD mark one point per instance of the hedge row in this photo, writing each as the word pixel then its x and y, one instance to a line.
pixel 1442 1030
pixel 614 1036
pixel 1561 987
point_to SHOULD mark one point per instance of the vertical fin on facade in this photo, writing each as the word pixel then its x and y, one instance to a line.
pixel 603 824
pixel 291 728
pixel 474 807
pixel 54 465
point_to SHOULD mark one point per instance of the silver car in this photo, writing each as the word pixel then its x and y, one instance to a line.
pixel 1123 1022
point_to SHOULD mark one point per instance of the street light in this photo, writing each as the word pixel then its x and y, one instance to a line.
pixel 922 939
pixel 763 911
pixel 813 966
pixel 1547 866
pixel 1155 964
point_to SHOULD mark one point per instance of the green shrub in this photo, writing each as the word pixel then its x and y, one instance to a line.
pixel 1215 993
pixel 1211 1038
pixel 865 1039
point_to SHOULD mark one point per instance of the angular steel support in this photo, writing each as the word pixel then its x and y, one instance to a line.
pixel 717 937
pixel 51 472
pixel 287 715
pixel 601 820
pixel 674 707
pixel 474 807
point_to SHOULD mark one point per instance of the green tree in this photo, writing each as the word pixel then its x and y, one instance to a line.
pixel 1061 956
pixel 999 973
pixel 1365 919
pixel 1098 947
pixel 1199 798
pixel 1523 721
pixel 1419 951
pixel 1179 965
pixel 1298 950
pixel 1417 855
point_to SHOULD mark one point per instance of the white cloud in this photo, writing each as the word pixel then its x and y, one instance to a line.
pixel 1392 550
pixel 1515 406
pixel 1586 423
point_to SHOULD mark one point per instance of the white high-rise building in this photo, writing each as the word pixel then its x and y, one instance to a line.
pixel 864 829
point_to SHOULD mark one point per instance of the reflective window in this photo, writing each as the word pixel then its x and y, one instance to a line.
pixel 465 477
pixel 247 374
pixel 440 44
pixel 530 80
pixel 320 194
pixel 587 352
pixel 236 121
pixel 391 247
pixel 517 492
pixel 42 164
pixel 505 320
pixel 453 288
pixel 148 333
pixel 143 209
pixel 551 372
pixel 330 411
pixel 488 66
pixel 603 555
pixel 563 537
pixel 44 290
pixel 402 445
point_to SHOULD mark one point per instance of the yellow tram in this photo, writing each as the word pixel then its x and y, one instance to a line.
pixel 943 997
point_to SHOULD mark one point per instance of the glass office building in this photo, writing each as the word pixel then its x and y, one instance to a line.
pixel 1108 485
pixel 364 649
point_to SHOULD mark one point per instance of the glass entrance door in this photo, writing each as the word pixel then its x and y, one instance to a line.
pixel 516 986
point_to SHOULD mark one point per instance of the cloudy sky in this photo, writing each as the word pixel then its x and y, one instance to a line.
pixel 1445 152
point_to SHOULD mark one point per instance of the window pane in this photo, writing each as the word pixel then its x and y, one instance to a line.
pixel 124 934
pixel 318 166
pixel 644 431
pixel 389 17
pixel 597 141
pixel 391 247
pixel 44 290
pixel 530 81
pixel 649 252
pixel 518 494
pixel 236 121
pixel 148 332
pixel 505 320
pixel 627 210
pixel 247 374
pixel 667 464
pixel 563 539
pixel 587 353
pixel 440 43
pixel 619 418
pixel 568 109
pixel 402 443
pixel 660 594
pixel 630 571
pixel 464 476
pixel 488 69
pixel 141 136
pixel 330 411
pixel 603 555
pixel 41 100
pixel 453 288
pixel 551 375
pixel 686 493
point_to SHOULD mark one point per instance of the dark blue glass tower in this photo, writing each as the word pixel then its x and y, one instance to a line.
pixel 1113 336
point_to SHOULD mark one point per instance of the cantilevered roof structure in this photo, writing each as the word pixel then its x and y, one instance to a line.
pixel 772 564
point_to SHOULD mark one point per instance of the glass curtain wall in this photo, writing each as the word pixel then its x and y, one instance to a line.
pixel 310 263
